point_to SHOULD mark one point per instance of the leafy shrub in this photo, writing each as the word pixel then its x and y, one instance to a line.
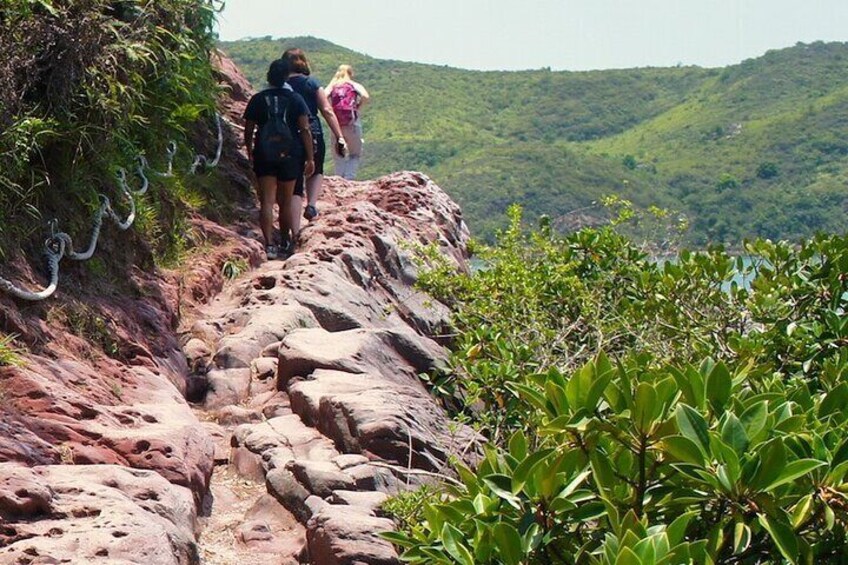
pixel 727 182
pixel 9 354
pixel 767 170
pixel 87 87
pixel 682 411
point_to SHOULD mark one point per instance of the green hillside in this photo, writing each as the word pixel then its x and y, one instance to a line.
pixel 759 148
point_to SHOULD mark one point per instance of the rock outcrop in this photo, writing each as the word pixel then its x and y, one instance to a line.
pixel 304 374
pixel 312 365
pixel 175 418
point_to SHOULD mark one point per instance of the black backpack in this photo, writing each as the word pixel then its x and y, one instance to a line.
pixel 275 141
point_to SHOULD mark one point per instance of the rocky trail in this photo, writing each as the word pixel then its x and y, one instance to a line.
pixel 306 374
pixel 289 408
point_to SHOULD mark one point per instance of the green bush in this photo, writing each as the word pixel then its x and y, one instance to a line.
pixel 87 86
pixel 767 170
pixel 691 410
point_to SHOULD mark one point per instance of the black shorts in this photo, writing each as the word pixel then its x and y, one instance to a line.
pixel 320 149
pixel 290 168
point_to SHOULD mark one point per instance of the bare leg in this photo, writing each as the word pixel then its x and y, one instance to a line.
pixel 285 192
pixel 314 188
pixel 267 198
pixel 352 167
pixel 353 137
pixel 296 209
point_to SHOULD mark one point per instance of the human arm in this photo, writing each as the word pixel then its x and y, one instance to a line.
pixel 251 114
pixel 364 97
pixel 306 138
pixel 326 110
pixel 249 129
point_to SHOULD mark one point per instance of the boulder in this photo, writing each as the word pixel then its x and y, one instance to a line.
pixel 365 413
pixel 347 535
pixel 94 514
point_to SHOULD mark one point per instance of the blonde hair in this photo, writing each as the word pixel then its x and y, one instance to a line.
pixel 344 74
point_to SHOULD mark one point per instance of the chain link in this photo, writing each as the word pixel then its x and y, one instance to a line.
pixel 60 244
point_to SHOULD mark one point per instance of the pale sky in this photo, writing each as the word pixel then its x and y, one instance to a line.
pixel 561 34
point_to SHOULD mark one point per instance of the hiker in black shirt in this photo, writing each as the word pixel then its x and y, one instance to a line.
pixel 303 83
pixel 277 177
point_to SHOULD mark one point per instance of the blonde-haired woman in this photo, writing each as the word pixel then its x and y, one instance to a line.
pixel 347 97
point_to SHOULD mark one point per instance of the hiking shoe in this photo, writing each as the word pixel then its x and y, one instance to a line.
pixel 310 212
pixel 272 251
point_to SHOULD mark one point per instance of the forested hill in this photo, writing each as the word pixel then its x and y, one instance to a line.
pixel 755 149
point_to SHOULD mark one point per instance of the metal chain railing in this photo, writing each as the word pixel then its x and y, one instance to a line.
pixel 60 245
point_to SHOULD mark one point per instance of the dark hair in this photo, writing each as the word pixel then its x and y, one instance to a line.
pixel 278 72
pixel 297 59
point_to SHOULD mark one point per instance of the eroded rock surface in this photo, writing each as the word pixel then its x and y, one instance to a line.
pixel 94 514
pixel 328 347
pixel 307 408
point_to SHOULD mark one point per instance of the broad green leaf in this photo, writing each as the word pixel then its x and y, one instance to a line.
pixel 754 420
pixel 450 513
pixel 698 386
pixel 840 455
pixel 575 482
pixel 719 384
pixel 693 426
pixel 626 556
pixel 834 401
pixel 715 539
pixel 525 468
pixel 829 518
pixel 423 554
pixel 772 461
pixel 453 539
pixel 558 398
pixel 518 445
pixel 677 529
pixel 683 449
pixel 483 543
pixel 724 478
pixel 466 475
pixel 783 536
pixel 795 470
pixel 803 509
pixel 733 434
pixel 615 398
pixel 398 538
pixel 481 504
pixel 725 454
pixel 792 424
pixel 645 407
pixel 588 511
pixel 535 398
pixel 613 516
pixel 597 390
pixel 501 485
pixel 577 389
pixel 602 364
pixel 508 542
pixel 644 550
pixel 434 518
pixel 602 472
pixel 686 386
pixel 532 538
pixel 741 537
pixel 632 523
pixel 667 393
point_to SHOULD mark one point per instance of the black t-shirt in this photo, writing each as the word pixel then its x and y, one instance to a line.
pixel 257 111
pixel 308 87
